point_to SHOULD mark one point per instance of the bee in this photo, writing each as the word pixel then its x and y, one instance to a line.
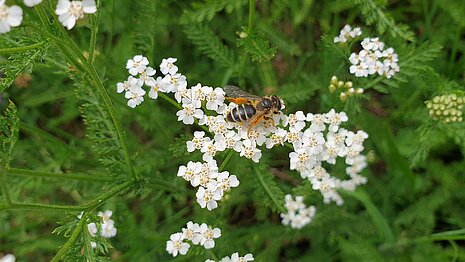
pixel 250 108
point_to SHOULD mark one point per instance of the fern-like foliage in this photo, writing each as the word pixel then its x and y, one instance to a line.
pixel 257 47
pixel 267 190
pixel 100 128
pixel 23 50
pixel 299 91
pixel 414 62
pixel 208 9
pixel 144 34
pixel 375 14
pixel 9 124
pixel 210 44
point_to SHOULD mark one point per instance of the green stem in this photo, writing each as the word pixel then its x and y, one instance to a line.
pixel 170 100
pixel 77 176
pixel 93 35
pixel 251 16
pixel 20 49
pixel 442 236
pixel 89 206
pixel 63 250
pixel 226 160
pixel 378 220
pixel 5 191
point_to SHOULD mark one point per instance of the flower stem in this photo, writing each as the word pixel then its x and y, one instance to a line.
pixel 5 191
pixel 77 176
pixel 89 206
pixel 226 159
pixel 20 49
pixel 62 252
pixel 251 16
pixel 95 19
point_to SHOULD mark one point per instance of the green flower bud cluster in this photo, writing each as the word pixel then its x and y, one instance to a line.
pixel 446 108
pixel 346 87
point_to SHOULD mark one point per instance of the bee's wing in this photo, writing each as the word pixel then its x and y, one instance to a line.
pixel 235 92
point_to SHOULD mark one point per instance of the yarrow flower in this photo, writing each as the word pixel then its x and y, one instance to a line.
pixel 347 33
pixel 32 3
pixel 107 225
pixel 235 258
pixel 197 234
pixel 298 215
pixel 374 59
pixel 8 258
pixel 10 16
pixel 212 184
pixel 70 11
pixel 316 138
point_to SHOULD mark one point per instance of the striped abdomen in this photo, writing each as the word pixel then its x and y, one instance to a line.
pixel 241 113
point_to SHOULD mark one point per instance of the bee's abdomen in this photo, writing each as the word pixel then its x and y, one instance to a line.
pixel 241 113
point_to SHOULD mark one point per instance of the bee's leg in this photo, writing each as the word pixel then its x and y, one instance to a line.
pixel 254 121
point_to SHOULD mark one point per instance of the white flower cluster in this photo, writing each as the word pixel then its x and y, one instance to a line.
pixel 323 141
pixel 8 258
pixel 298 215
pixel 141 74
pixel 235 258
pixel 207 106
pixel 212 184
pixel 107 226
pixel 197 234
pixel 68 12
pixel 373 58
pixel 347 33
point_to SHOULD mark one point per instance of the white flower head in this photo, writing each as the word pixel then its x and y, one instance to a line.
pixel 207 198
pixel 192 232
pixel 214 97
pixel 176 245
pixel 32 3
pixel 10 16
pixel 108 229
pixel 335 119
pixel 70 11
pixel 135 95
pixel 131 82
pixel 188 113
pixel 250 151
pixel 137 64
pixel 155 87
pixel 147 76
pixel 167 66
pixel 197 142
pixel 208 235
pixel 8 258
pixel 92 228
pixel 174 82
